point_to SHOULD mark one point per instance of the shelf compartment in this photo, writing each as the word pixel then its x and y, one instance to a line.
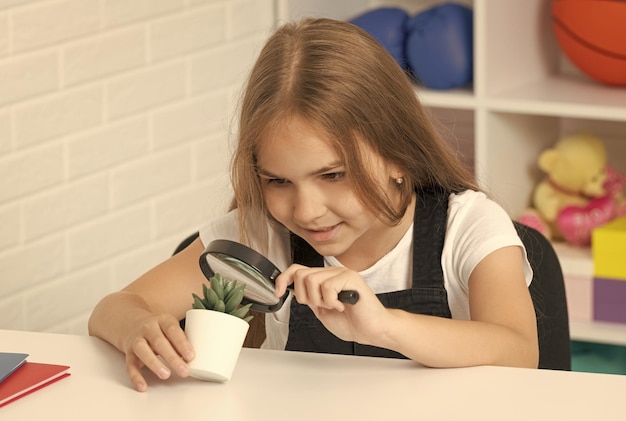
pixel 511 142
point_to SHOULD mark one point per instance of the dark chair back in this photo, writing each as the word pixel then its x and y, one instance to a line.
pixel 548 293
pixel 186 242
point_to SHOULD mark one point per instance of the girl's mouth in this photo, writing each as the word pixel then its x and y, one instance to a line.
pixel 320 235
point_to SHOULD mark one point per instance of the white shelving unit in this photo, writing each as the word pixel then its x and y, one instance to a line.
pixel 525 96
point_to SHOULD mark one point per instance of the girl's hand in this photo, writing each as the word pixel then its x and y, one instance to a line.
pixel 318 288
pixel 157 342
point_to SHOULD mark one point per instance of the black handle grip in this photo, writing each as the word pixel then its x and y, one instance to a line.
pixel 349 297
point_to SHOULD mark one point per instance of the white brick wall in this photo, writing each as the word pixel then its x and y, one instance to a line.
pixel 115 123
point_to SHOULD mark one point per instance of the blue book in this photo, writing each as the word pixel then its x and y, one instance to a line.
pixel 9 362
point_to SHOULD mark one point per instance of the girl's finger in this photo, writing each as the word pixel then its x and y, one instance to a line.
pixel 285 279
pixel 144 352
pixel 177 346
pixel 133 369
pixel 317 286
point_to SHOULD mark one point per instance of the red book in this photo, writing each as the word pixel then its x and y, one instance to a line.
pixel 29 378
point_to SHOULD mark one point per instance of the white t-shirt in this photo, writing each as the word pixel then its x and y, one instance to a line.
pixel 477 226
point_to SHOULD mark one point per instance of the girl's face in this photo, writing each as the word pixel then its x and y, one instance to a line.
pixel 306 188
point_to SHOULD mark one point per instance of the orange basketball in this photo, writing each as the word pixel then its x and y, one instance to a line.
pixel 592 34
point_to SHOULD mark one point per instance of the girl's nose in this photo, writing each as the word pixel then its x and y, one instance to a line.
pixel 308 206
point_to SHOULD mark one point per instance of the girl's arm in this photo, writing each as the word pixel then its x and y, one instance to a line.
pixel 502 329
pixel 142 320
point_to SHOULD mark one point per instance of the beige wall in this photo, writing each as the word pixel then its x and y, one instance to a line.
pixel 114 130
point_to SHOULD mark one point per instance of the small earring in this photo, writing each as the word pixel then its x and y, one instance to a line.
pixel 399 181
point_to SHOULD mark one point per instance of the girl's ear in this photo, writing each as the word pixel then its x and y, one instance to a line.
pixel 395 172
pixel 396 175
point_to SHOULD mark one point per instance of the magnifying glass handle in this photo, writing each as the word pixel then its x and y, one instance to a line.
pixel 349 296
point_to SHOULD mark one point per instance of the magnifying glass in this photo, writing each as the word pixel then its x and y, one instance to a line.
pixel 239 263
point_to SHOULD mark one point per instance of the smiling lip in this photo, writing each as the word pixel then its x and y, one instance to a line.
pixel 322 234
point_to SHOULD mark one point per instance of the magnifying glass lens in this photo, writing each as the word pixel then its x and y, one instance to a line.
pixel 258 288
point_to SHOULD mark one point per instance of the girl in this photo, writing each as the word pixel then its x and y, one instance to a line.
pixel 342 181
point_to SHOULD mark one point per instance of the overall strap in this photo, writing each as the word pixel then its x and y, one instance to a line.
pixel 303 253
pixel 429 229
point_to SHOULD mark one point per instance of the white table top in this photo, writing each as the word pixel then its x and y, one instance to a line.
pixel 278 385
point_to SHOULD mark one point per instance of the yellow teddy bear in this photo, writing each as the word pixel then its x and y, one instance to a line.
pixel 574 197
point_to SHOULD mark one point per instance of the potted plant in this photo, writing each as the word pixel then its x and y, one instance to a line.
pixel 216 326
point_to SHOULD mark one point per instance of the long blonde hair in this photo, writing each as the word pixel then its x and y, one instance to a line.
pixel 336 77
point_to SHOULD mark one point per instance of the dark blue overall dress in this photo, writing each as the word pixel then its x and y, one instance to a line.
pixel 426 296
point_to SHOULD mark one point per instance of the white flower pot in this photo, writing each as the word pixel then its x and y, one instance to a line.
pixel 217 339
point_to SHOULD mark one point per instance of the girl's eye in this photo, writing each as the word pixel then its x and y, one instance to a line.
pixel 276 181
pixel 334 176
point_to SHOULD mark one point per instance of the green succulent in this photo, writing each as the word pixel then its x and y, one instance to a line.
pixel 222 295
